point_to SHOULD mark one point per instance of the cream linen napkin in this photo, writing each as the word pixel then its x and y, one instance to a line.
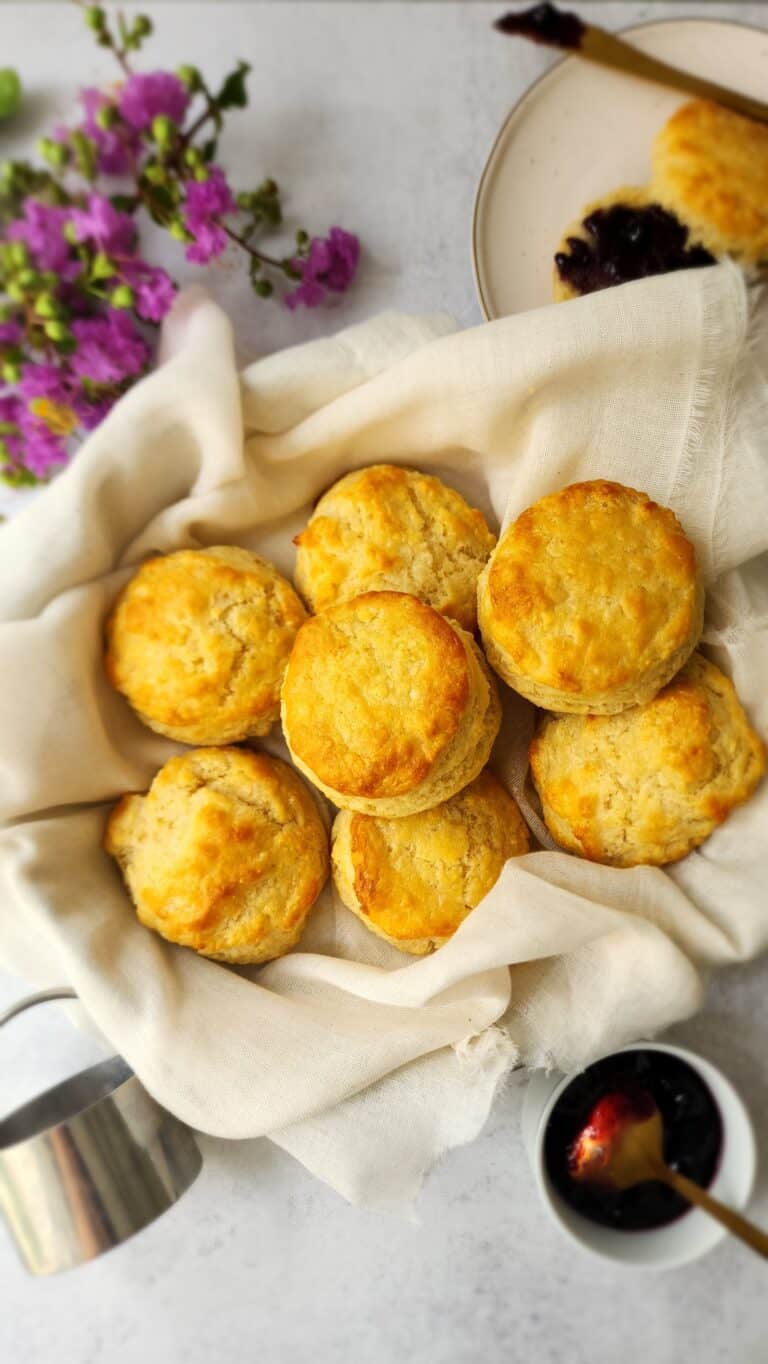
pixel 364 1064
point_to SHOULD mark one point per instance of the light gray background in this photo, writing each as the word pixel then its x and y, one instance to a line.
pixel 378 117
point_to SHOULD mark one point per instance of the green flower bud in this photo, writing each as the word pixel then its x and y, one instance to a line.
pixel 247 201
pixel 122 297
pixel 84 149
pixel 57 331
pixel 155 174
pixel 268 187
pixel 10 92
pixel 11 372
pixel 142 26
pixel 106 116
pixel 18 254
pixel 28 278
pixel 163 130
pixel 192 157
pixel 263 288
pixel 200 173
pixel 95 17
pixel 15 291
pixel 55 153
pixel 102 267
pixel 179 231
pixel 302 237
pixel 189 77
pixel 47 305
pixel 69 232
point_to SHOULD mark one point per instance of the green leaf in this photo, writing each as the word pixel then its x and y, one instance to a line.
pixel 233 94
pixel 208 149
pixel 17 476
pixel 125 203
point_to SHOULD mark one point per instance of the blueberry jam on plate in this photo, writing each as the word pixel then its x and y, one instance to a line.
pixel 622 243
pixel 693 1137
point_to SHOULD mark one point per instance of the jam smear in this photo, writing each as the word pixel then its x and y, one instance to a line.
pixel 544 24
pixel 604 1128
pixel 693 1136
pixel 624 243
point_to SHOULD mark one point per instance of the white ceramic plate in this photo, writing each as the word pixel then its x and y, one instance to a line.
pixel 578 133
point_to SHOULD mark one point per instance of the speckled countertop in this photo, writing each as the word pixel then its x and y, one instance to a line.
pixel 378 116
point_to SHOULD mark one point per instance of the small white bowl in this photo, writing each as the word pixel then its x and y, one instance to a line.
pixel 689 1236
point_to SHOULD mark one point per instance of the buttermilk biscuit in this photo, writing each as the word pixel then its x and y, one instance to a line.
pixel 387 706
pixel 198 642
pixel 226 853
pixel 710 167
pixel 591 600
pixel 392 528
pixel 650 784
pixel 412 880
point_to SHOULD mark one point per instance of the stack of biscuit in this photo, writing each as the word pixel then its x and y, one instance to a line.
pixel 590 606
pixel 388 706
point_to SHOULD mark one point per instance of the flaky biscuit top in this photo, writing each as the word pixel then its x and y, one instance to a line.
pixel 590 587
pixel 375 691
pixel 198 641
pixel 650 784
pixel 226 853
pixel 392 528
pixel 414 879
pixel 710 167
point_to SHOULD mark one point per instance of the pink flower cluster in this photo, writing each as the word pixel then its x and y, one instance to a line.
pixel 79 298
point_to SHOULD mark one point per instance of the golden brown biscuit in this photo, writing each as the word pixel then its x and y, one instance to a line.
pixel 387 528
pixel 198 642
pixel 226 853
pixel 710 167
pixel 387 706
pixel 591 600
pixel 650 784
pixel 413 880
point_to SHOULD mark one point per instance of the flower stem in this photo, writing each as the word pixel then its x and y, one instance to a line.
pixel 252 251
pixel 194 128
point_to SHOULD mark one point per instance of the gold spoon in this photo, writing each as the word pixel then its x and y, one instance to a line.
pixel 621 1145
pixel 564 30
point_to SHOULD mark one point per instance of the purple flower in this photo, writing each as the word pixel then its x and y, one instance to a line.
pixel 102 224
pixel 10 409
pixel 143 97
pixel 109 348
pixel 92 411
pixel 42 230
pixel 210 241
pixel 331 264
pixel 42 381
pixel 40 450
pixel 10 333
pixel 205 202
pixel 115 147
pixel 153 288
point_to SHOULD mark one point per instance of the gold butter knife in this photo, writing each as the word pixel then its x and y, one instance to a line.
pixel 548 25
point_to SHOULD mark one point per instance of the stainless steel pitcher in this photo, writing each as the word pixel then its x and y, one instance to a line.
pixel 89 1162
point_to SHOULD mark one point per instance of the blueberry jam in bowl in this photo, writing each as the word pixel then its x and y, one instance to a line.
pixel 707 1136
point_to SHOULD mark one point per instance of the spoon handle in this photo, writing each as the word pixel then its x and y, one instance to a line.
pixel 733 1221
pixel 600 46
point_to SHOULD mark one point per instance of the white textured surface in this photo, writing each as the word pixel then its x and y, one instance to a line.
pixel 378 117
